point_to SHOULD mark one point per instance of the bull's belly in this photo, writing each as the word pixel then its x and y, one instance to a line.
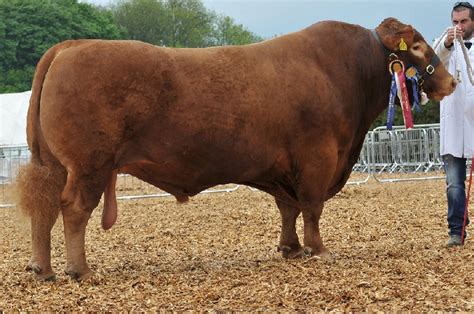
pixel 180 180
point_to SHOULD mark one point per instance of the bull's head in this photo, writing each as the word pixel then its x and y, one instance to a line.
pixel 434 79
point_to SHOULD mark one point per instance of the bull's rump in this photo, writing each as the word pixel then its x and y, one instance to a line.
pixel 189 117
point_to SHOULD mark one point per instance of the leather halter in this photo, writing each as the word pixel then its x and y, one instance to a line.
pixel 430 68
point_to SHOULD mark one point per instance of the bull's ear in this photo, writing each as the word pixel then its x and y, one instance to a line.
pixel 392 35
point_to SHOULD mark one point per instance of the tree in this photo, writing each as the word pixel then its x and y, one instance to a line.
pixel 178 23
pixel 227 32
pixel 29 27
pixel 189 23
pixel 143 20
pixel 171 23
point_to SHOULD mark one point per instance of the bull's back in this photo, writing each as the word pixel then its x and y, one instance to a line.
pixel 101 95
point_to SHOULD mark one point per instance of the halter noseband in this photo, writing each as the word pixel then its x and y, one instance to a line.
pixel 430 68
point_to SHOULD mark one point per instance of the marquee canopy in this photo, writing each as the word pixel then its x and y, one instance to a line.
pixel 13 109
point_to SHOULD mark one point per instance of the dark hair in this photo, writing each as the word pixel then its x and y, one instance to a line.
pixel 461 6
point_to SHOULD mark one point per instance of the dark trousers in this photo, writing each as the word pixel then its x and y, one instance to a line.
pixel 455 169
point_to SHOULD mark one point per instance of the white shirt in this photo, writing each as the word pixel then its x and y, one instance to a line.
pixel 457 109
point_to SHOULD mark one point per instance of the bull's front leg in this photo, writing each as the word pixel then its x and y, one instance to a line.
pixel 315 180
pixel 289 246
pixel 313 243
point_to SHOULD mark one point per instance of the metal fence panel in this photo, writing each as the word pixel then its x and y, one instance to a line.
pixel 11 159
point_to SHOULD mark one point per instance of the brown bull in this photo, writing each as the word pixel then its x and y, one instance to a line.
pixel 287 116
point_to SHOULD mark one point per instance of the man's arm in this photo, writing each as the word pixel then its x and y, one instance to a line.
pixel 444 51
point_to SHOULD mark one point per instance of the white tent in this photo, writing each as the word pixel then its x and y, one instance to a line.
pixel 13 109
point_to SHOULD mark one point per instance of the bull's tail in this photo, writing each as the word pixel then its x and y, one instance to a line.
pixel 40 183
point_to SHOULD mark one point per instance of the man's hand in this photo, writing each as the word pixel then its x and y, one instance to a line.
pixel 448 43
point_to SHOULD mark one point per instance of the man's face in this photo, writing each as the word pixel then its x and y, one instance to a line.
pixel 462 20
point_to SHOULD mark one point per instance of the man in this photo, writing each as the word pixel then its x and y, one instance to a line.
pixel 457 117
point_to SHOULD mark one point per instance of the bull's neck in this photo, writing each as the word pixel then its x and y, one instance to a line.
pixel 355 54
pixel 369 75
pixel 377 75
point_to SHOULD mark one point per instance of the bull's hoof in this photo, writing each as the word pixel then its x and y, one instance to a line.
pixel 322 254
pixel 39 273
pixel 79 276
pixel 32 266
pixel 289 252
pixel 46 277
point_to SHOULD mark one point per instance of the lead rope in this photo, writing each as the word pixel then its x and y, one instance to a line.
pixel 467 204
pixel 464 51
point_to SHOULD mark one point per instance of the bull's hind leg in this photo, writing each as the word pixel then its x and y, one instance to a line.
pixel 80 196
pixel 40 262
pixel 39 193
pixel 289 246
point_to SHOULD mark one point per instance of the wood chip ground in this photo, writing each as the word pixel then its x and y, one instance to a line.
pixel 218 252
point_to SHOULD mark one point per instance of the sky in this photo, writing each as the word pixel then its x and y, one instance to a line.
pixel 268 18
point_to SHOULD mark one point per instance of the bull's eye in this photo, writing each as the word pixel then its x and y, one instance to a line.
pixel 418 50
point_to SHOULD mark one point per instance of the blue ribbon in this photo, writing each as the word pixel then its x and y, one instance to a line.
pixel 416 98
pixel 391 103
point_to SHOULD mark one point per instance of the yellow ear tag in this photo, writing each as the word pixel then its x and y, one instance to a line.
pixel 403 45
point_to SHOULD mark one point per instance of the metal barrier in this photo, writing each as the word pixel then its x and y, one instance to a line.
pixel 434 156
pixel 381 150
pixel 11 158
pixel 413 152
